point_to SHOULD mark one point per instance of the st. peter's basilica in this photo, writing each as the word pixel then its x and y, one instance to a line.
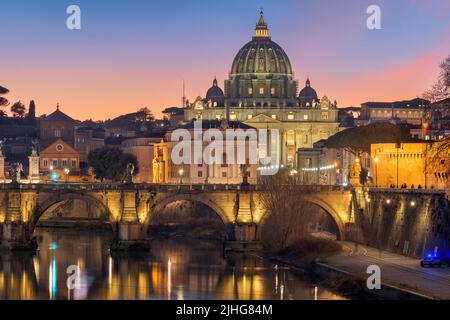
pixel 261 92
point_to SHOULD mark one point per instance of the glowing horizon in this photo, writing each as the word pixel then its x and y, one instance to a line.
pixel 131 55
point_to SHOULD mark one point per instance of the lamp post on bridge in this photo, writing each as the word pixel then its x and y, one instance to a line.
pixel 67 171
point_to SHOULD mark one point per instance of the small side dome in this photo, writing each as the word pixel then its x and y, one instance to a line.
pixel 215 95
pixel 307 95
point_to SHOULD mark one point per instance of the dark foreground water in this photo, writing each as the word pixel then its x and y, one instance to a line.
pixel 175 269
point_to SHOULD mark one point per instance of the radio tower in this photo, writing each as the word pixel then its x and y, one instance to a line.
pixel 183 98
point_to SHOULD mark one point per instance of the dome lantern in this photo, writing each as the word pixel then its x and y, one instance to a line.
pixel 261 29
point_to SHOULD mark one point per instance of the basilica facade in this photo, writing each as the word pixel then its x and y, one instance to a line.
pixel 261 92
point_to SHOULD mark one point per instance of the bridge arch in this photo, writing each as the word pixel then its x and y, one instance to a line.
pixel 165 200
pixel 309 198
pixel 45 203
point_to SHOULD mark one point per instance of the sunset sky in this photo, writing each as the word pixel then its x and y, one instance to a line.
pixel 135 53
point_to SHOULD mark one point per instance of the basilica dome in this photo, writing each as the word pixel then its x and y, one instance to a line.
pixel 261 55
pixel 307 94
pixel 261 73
pixel 215 94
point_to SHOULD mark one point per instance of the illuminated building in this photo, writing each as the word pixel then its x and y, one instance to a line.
pixel 59 161
pixel 165 171
pixel 409 164
pixel 409 111
pixel 261 92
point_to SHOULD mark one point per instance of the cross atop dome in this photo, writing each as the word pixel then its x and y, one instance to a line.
pixel 261 29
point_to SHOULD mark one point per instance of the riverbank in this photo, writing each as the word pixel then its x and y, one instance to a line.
pixel 75 223
pixel 345 272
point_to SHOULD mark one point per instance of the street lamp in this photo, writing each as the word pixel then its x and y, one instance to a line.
pixel 376 170
pixel 67 171
pixel 180 172
pixel 293 173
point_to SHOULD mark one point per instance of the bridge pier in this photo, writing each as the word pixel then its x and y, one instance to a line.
pixel 130 233
pixel 245 236
pixel 130 236
pixel 15 236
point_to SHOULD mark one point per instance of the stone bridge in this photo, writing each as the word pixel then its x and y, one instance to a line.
pixel 130 208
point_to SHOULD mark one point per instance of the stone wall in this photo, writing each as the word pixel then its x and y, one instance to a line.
pixel 408 222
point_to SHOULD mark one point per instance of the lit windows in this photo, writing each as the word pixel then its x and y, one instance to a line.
pixel 272 91
pixel 305 117
pixel 290 116
pixel 274 116
pixel 249 116
pixel 250 90
pixel 261 91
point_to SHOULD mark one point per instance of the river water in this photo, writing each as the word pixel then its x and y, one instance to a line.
pixel 175 269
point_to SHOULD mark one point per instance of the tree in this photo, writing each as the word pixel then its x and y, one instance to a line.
pixel 31 116
pixel 111 164
pixel 287 218
pixel 144 114
pixel 359 139
pixel 3 101
pixel 440 89
pixel 440 150
pixel 18 109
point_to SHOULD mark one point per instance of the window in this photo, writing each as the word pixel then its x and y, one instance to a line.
pixel 272 91
pixel 57 132
pixel 250 90
pixel 74 163
pixel 305 139
pixel 305 117
pixel 200 174
pixel 45 163
pixel 224 174
pixel 249 116
pixel 324 115
pixel 64 162
pixel 274 116
pixel 233 116
pixel 308 162
pixel 218 116
pixel 261 90
pixel 55 163
pixel 290 116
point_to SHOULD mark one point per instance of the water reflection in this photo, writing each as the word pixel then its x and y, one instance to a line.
pixel 175 269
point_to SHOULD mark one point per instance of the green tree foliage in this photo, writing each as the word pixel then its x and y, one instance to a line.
pixel 111 164
pixel 360 138
pixel 18 109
